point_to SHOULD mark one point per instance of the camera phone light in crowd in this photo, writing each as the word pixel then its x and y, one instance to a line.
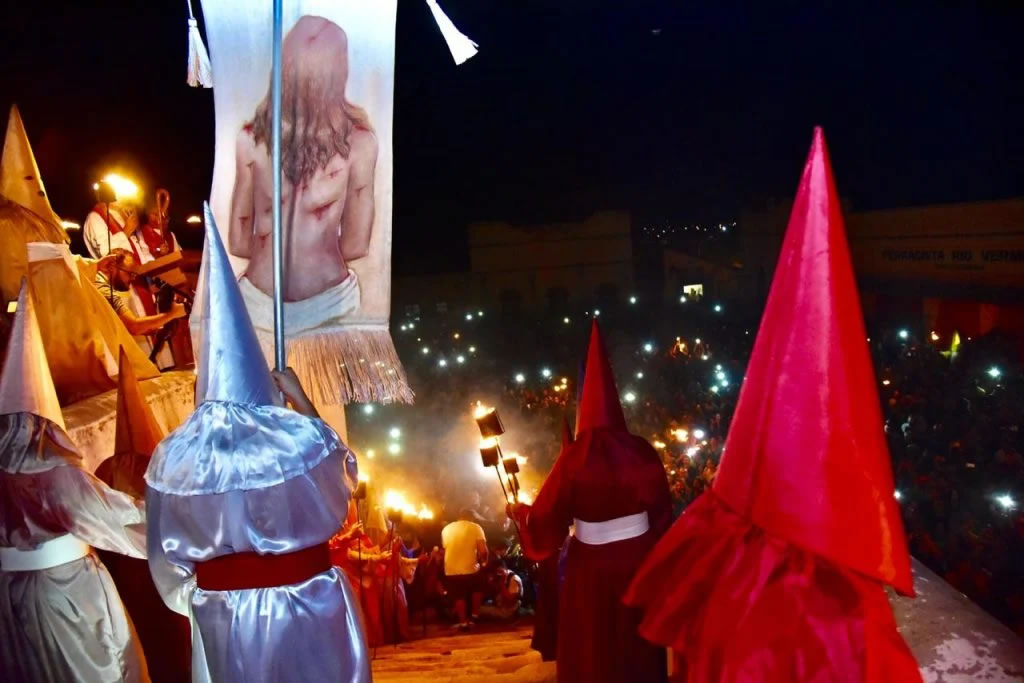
pixel 714 389
pixel 897 495
pixel 479 314
pixel 934 336
pixel 395 433
pixel 403 328
pixel 718 308
pixel 724 383
pixel 425 350
pixel 469 316
pixel 368 409
pixel 697 340
pixel 886 382
pixel 1006 501
pixel 472 349
pixel 718 366
pixel 460 359
pixel 904 334
pixel 719 375
pixel 394 448
pixel 632 299
pixel 629 397
pixel 597 312
pixel 994 372
pixel 640 375
pixel 692 451
pixel 545 373
pixel 370 453
pixel 443 363
pixel 12 306
pixel 705 357
pixel 565 320
pixel 412 326
pixel 193 220
pixel 682 299
pixel 648 347
pixel 698 434
pixel 456 335
pixel 520 378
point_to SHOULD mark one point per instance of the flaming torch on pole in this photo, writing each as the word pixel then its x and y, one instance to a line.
pixel 491 428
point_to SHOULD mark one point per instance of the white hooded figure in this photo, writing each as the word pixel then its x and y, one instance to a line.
pixel 61 618
pixel 242 500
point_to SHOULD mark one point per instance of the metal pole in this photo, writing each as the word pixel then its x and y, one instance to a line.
pixel 280 356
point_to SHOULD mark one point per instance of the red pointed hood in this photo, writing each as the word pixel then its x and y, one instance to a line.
pixel 805 457
pixel 567 438
pixel 599 401
pixel 137 430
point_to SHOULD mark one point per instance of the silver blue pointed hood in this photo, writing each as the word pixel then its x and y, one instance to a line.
pixel 232 367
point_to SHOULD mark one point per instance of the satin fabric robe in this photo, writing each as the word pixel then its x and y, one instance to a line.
pixel 66 623
pixel 603 475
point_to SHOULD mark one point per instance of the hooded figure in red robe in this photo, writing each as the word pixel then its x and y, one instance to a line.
pixel 776 573
pixel 545 620
pixel 611 486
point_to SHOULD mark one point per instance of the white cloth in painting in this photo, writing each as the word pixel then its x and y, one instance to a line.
pixel 243 478
pixel 327 308
pixel 64 623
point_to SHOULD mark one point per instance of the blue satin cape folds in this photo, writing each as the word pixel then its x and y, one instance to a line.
pixel 65 623
pixel 244 478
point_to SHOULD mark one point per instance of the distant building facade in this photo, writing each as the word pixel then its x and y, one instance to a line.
pixel 955 266
pixel 534 267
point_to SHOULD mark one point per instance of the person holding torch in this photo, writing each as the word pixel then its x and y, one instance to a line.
pixel 611 486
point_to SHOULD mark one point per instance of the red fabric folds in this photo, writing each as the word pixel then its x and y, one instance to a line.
pixel 806 458
pixel 740 604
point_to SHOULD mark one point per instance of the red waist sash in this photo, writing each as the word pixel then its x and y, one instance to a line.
pixel 245 571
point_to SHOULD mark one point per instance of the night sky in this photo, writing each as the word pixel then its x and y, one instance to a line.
pixel 684 111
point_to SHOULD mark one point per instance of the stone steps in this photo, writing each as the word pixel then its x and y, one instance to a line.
pixel 486 656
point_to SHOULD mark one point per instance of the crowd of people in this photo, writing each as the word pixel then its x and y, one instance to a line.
pixel 952 421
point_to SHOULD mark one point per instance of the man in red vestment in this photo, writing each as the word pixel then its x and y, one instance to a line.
pixel 776 573
pixel 611 486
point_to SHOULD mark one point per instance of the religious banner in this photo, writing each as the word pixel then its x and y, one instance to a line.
pixel 336 139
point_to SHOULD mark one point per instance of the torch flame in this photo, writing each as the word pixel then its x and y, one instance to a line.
pixel 481 410
pixel 364 477
pixel 525 498
pixel 425 512
pixel 681 434
pixel 394 500
pixel 489 442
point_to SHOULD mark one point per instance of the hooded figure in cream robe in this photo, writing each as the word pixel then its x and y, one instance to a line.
pixel 61 618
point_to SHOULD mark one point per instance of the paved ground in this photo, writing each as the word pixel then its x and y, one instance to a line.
pixel 953 639
pixel 483 656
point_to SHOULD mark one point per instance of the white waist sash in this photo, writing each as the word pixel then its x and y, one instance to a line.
pixel 53 553
pixel 618 529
